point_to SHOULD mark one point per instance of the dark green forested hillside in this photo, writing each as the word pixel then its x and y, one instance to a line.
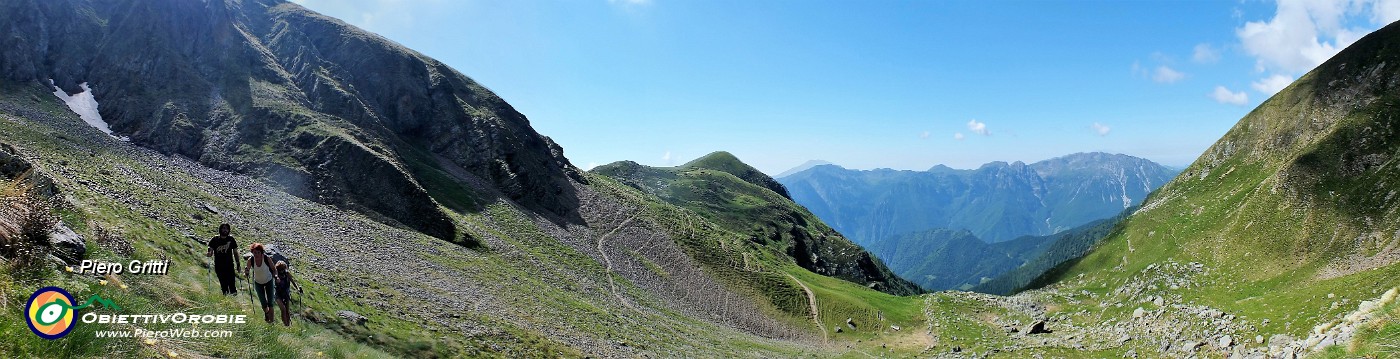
pixel 942 259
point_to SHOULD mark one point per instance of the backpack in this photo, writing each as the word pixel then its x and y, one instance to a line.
pixel 272 253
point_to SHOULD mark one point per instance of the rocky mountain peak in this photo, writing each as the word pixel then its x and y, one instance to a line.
pixel 327 111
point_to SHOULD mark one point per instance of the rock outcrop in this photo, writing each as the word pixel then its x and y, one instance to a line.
pixel 327 111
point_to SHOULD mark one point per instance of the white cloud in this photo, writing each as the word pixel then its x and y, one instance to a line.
pixel 978 128
pixel 1304 33
pixel 1161 74
pixel 666 157
pixel 1301 35
pixel 1100 128
pixel 1384 12
pixel 1167 75
pixel 958 136
pixel 1225 96
pixel 1203 53
pixel 1272 84
pixel 924 135
pixel 590 166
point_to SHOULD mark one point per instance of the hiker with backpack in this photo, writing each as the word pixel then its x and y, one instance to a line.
pixel 260 269
pixel 224 249
pixel 284 291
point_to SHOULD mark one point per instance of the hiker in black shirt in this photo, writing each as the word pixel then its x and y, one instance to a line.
pixel 283 277
pixel 224 249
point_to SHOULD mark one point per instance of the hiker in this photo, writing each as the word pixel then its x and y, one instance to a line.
pixel 224 249
pixel 284 291
pixel 260 266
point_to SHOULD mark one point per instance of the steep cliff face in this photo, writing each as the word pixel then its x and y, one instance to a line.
pixel 327 111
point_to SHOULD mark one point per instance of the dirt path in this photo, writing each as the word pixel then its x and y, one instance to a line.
pixel 812 303
pixel 607 264
pixel 929 332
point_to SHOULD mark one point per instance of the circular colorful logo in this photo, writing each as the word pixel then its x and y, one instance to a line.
pixel 49 312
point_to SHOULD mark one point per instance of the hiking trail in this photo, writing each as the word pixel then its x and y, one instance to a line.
pixel 812 303
pixel 607 263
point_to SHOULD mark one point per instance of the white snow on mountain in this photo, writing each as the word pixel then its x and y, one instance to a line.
pixel 85 105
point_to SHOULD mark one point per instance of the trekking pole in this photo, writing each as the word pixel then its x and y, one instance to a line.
pixel 209 276
pixel 301 298
pixel 251 301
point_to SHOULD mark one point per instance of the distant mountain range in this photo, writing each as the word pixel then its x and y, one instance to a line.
pixel 956 229
pixel 997 202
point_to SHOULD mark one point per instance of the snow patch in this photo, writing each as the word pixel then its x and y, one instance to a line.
pixel 85 105
pixel 1123 184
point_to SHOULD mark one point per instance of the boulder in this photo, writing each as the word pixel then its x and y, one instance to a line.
pixel 1037 328
pixel 15 168
pixel 67 245
pixel 352 317
pixel 1191 345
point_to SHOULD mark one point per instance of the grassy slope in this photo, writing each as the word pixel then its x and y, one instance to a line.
pixel 188 288
pixel 747 207
pixel 1293 218
pixel 525 266
pixel 731 236
pixel 1282 205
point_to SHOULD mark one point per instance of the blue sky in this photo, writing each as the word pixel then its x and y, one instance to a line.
pixel 870 84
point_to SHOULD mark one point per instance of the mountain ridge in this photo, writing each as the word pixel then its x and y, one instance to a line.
pixel 306 101
pixel 996 201
pixel 728 163
pixel 768 217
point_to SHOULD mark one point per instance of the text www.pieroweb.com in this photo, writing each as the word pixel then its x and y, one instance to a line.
pixel 164 333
